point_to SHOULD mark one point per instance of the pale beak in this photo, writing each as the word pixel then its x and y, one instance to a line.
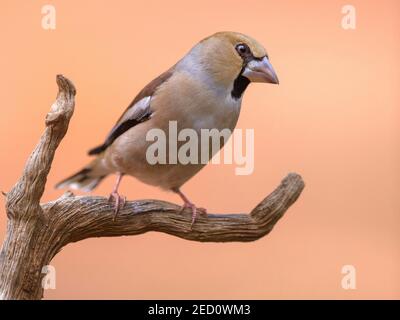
pixel 260 71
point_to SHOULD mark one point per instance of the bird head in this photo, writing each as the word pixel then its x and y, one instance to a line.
pixel 232 60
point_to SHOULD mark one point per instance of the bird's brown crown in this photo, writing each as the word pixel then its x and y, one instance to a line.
pixel 235 38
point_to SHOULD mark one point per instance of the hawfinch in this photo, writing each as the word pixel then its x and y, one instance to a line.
pixel 203 90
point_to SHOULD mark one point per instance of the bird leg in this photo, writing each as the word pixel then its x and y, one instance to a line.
pixel 188 204
pixel 119 201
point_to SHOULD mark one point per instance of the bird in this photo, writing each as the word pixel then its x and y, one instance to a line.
pixel 203 90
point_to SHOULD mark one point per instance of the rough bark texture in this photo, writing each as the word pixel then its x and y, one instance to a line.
pixel 36 232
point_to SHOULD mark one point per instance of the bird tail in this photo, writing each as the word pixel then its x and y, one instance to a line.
pixel 86 179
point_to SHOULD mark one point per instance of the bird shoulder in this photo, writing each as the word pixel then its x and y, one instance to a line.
pixel 139 110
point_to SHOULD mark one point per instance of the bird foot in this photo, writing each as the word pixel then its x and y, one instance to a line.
pixel 119 202
pixel 194 209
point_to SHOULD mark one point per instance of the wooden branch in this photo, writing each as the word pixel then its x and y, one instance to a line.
pixel 35 233
pixel 29 189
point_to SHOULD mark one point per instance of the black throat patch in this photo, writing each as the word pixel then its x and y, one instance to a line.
pixel 239 86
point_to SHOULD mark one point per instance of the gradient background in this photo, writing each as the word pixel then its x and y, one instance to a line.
pixel 334 119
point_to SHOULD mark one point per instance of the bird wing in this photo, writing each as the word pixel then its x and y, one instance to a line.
pixel 138 111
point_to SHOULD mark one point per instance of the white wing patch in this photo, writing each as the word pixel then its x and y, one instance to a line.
pixel 138 110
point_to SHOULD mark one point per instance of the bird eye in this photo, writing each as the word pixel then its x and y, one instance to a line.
pixel 242 49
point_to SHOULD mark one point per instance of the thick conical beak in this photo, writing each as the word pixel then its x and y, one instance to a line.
pixel 260 71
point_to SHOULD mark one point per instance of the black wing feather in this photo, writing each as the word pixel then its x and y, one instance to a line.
pixel 124 126
pixel 120 129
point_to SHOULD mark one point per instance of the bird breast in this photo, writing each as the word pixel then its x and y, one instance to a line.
pixel 189 104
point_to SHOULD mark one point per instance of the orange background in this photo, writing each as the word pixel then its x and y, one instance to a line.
pixel 334 119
